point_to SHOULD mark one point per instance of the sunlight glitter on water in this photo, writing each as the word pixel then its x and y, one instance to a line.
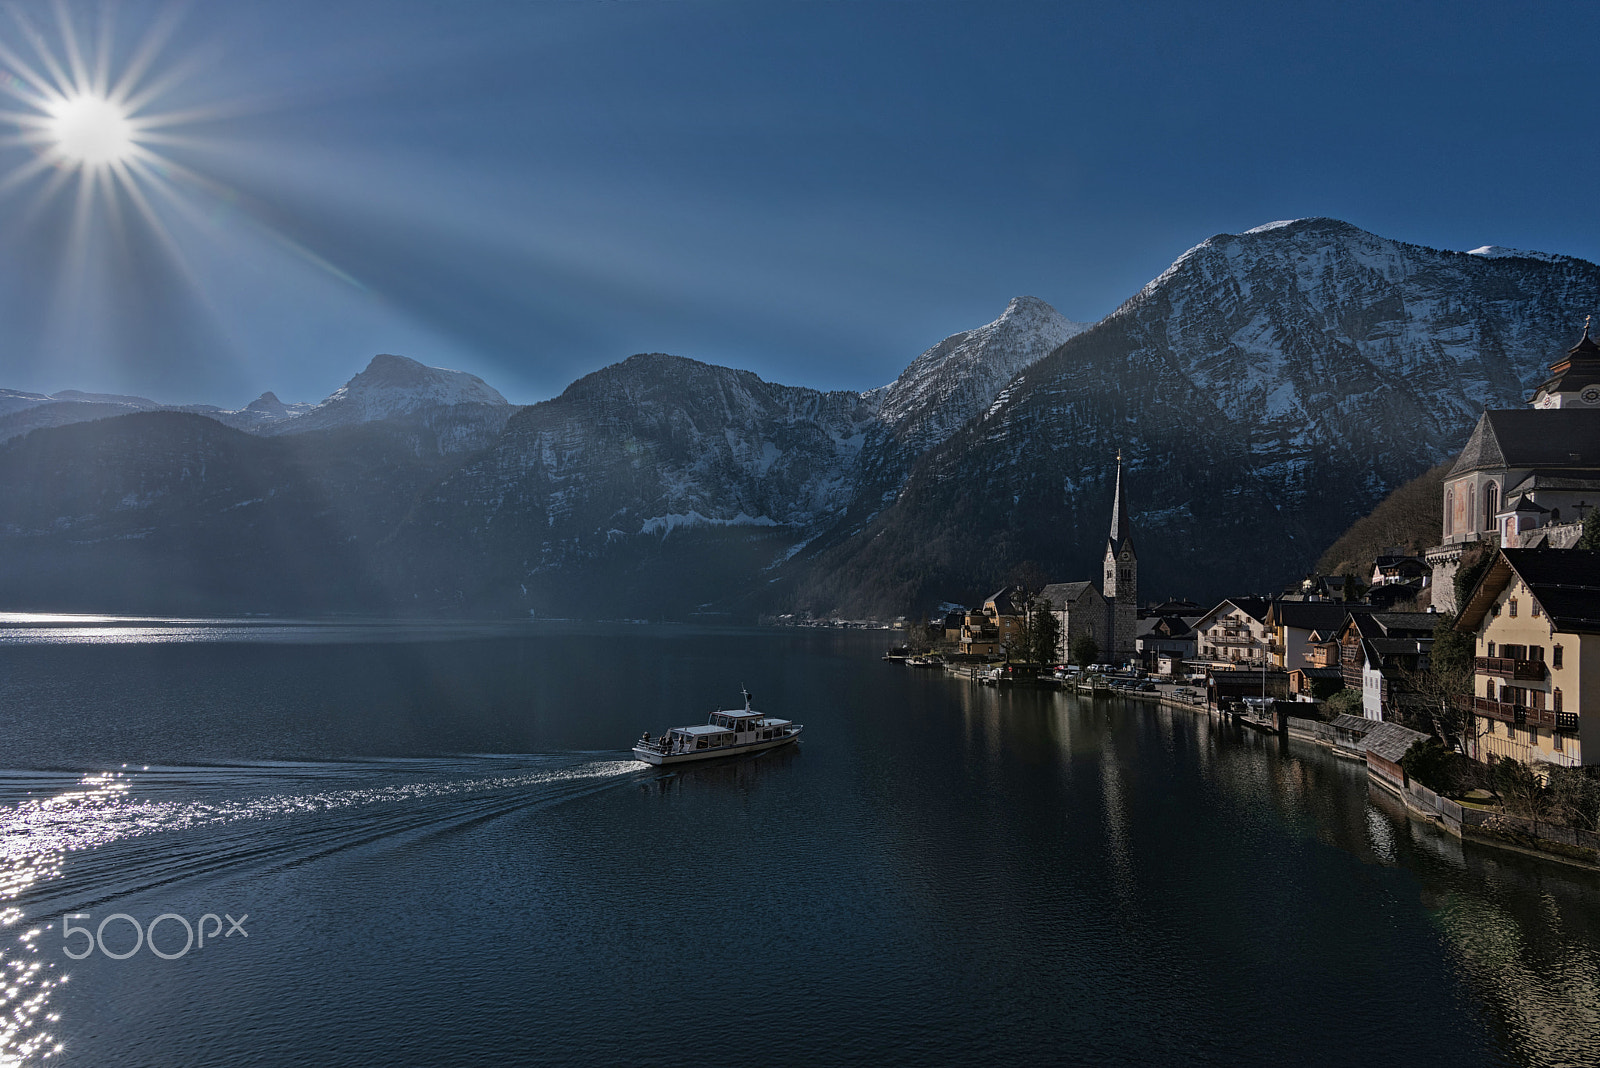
pixel 37 834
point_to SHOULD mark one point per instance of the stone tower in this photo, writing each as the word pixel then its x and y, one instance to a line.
pixel 1121 578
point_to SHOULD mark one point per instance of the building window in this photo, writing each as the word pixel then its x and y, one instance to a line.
pixel 1555 699
pixel 1491 648
pixel 1555 657
pixel 1491 726
pixel 1556 741
pixel 1449 506
pixel 1536 652
pixel 1535 611
pixel 1491 504
pixel 1513 608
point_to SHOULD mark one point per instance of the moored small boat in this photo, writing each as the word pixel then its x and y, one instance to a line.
pixel 725 733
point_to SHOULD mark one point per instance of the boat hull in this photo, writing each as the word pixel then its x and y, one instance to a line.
pixel 650 756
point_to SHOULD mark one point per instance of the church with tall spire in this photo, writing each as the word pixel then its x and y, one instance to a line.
pixel 1121 586
pixel 1108 615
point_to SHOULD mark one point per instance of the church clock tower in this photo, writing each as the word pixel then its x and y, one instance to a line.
pixel 1121 578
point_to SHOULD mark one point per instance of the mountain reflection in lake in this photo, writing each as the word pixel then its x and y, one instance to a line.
pixel 447 857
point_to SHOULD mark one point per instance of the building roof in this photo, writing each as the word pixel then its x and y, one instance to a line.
pixel 1254 607
pixel 1319 672
pixel 1004 601
pixel 1405 624
pixel 1359 724
pixel 1565 582
pixel 1061 594
pixel 1559 479
pixel 1390 741
pixel 1309 615
pixel 1533 437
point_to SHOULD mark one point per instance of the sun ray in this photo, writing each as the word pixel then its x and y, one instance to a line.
pixel 59 82
pixel 155 38
pixel 101 74
pixel 69 41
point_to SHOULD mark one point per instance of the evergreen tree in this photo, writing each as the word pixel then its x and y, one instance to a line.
pixel 1085 651
pixel 1590 538
pixel 1046 632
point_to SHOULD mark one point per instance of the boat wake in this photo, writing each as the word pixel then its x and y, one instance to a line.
pixel 72 844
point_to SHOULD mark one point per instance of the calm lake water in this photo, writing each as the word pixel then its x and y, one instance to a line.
pixel 447 857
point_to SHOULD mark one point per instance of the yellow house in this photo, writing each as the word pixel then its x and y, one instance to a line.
pixel 1535 618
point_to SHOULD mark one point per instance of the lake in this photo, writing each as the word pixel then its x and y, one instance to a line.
pixel 428 845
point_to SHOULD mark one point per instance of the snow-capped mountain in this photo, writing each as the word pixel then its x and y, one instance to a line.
pixel 1266 388
pixel 391 387
pixel 960 376
pixel 661 458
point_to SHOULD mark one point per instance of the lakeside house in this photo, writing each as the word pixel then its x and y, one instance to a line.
pixel 1380 652
pixel 1535 621
pixel 1234 632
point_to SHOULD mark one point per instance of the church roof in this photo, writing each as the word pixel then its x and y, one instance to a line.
pixel 1062 594
pixel 1533 437
pixel 1557 480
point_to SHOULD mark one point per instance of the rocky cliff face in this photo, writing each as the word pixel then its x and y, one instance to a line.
pixel 1265 388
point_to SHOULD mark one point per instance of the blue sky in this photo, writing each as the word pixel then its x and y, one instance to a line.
pixel 813 191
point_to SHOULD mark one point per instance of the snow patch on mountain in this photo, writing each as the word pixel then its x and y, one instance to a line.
pixel 1279 225
pixel 1500 252
pixel 666 524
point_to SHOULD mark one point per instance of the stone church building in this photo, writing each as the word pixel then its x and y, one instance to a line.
pixel 1527 476
pixel 1109 614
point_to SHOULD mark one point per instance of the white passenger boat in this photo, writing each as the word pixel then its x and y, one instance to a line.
pixel 726 733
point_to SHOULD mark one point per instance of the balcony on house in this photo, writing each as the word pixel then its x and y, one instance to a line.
pixel 1507 668
pixel 1518 715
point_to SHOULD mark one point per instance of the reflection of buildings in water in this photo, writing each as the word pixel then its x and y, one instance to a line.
pixel 1543 981
pixel 1115 810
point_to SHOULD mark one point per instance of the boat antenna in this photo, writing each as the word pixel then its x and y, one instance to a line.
pixel 746 698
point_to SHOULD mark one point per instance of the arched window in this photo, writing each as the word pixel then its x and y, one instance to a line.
pixel 1491 503
pixel 1449 507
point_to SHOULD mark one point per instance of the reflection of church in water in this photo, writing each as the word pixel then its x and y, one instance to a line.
pixel 1527 476
pixel 1108 615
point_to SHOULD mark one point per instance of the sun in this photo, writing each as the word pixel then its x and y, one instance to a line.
pixel 91 131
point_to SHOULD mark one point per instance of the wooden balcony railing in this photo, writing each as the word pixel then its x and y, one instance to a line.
pixel 1506 668
pixel 1519 715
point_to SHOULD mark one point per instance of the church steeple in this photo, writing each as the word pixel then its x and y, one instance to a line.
pixel 1574 377
pixel 1121 586
pixel 1121 531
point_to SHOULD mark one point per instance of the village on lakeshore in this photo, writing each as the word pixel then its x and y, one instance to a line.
pixel 1465 674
